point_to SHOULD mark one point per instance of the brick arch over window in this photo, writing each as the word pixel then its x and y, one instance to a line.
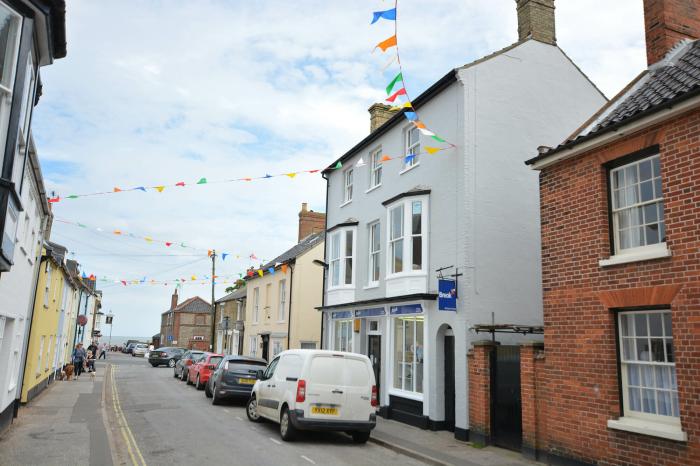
pixel 635 297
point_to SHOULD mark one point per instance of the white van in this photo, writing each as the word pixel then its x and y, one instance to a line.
pixel 317 390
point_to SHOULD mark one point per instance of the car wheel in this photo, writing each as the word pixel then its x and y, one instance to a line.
pixel 198 385
pixel 171 363
pixel 216 400
pixel 175 373
pixel 251 410
pixel 189 382
pixel 360 437
pixel 207 390
pixel 287 430
pixel 154 364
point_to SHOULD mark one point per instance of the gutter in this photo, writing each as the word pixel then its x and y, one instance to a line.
pixel 638 122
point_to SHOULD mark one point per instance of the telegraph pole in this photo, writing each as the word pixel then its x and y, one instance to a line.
pixel 213 305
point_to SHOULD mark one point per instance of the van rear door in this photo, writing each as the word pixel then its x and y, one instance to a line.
pixel 358 379
pixel 325 393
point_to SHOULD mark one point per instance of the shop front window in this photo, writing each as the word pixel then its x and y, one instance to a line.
pixel 342 336
pixel 408 353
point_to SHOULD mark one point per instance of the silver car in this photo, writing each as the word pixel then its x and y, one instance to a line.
pixel 140 350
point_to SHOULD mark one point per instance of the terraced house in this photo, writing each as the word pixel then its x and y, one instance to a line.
pixel 471 210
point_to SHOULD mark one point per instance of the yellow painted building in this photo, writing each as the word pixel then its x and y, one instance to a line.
pixel 281 304
pixel 45 337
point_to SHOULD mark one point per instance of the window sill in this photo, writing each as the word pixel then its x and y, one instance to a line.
pixel 408 169
pixel 657 252
pixel 281 321
pixel 373 188
pixel 655 429
pixel 413 273
pixel 371 287
pixel 341 287
pixel 404 394
pixel 345 203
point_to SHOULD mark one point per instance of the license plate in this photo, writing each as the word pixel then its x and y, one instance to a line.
pixel 324 410
pixel 246 381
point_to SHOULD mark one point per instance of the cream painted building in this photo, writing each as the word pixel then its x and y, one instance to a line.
pixel 281 304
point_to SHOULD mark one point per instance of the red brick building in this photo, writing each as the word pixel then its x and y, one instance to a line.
pixel 187 324
pixel 618 382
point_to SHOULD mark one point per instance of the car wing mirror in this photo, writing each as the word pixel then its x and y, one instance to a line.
pixel 260 374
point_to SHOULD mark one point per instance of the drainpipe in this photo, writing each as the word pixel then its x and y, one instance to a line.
pixel 325 245
pixel 80 299
pixel 289 314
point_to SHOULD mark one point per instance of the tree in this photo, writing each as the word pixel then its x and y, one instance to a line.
pixel 240 283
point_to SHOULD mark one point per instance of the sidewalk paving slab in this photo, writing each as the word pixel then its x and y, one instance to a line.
pixel 440 448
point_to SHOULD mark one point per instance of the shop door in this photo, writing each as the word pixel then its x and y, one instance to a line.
pixel 374 353
pixel 450 383
pixel 506 417
pixel 265 347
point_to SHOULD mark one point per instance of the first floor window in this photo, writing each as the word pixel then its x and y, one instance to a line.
pixel 342 335
pixel 10 26
pixel 637 204
pixel 256 305
pixel 341 255
pixel 376 168
pixel 374 250
pixel 347 191
pixel 407 238
pixel 408 353
pixel 348 257
pixel 283 300
pixel 649 387
pixel 412 147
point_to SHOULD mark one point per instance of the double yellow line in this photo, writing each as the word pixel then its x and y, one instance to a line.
pixel 132 447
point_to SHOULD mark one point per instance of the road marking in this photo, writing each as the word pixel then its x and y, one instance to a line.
pixel 124 426
pixel 308 459
pixel 239 418
pixel 276 441
pixel 227 410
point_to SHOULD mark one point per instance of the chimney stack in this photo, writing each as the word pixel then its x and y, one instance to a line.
pixel 667 22
pixel 173 300
pixel 378 115
pixel 310 222
pixel 536 20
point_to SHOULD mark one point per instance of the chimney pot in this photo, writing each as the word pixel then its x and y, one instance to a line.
pixel 173 300
pixel 378 115
pixel 667 22
pixel 310 222
pixel 536 20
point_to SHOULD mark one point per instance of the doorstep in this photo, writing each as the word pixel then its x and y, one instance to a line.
pixel 440 448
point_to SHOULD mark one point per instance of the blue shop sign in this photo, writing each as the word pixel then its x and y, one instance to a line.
pixel 447 295
pixel 375 311
pixel 406 309
pixel 341 315
pixel 170 338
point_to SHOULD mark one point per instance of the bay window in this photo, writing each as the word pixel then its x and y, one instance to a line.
pixel 647 362
pixel 374 250
pixel 22 144
pixel 341 253
pixel 416 235
pixel 407 239
pixel 396 239
pixel 342 335
pixel 408 353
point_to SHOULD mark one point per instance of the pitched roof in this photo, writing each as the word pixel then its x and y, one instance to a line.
pixel 294 252
pixel 236 294
pixel 664 84
pixel 196 305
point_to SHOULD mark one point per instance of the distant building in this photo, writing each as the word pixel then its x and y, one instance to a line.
pixel 229 318
pixel 187 324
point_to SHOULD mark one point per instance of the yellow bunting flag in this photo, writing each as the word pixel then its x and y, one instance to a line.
pixel 291 175
pixel 260 272
pixel 386 44
pixel 193 277
pixel 431 150
pixel 160 188
pixel 149 239
pixel 404 105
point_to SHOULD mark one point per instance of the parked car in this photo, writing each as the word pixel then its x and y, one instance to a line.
pixel 317 390
pixel 140 349
pixel 234 377
pixel 128 345
pixel 182 366
pixel 200 371
pixel 167 355
pixel 130 348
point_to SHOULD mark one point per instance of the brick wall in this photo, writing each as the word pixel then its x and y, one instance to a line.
pixel 536 20
pixel 188 329
pixel 581 376
pixel 479 367
pixel 667 22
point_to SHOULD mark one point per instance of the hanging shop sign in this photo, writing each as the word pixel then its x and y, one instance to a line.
pixel 447 295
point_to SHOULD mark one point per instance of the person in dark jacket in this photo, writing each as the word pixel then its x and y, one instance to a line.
pixel 78 357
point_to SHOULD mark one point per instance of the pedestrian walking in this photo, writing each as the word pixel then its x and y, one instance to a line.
pixel 78 359
pixel 93 348
pixel 90 361
pixel 103 351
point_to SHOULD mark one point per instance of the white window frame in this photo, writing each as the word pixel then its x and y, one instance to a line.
pixel 339 260
pixel 407 237
pixel 39 356
pixel 656 184
pixel 277 346
pixel 342 327
pixel 347 185
pixel 7 89
pixel 282 291
pixel 399 365
pixel 47 284
pixel 256 305
pixel 375 168
pixel 253 343
pixel 374 230
pixel 411 148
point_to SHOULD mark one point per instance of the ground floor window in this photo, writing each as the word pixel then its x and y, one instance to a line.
pixel 408 353
pixel 277 347
pixel 342 335
pixel 253 341
pixel 647 358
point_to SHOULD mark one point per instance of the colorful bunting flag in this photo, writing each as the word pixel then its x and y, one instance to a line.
pixel 431 150
pixel 291 175
pixel 385 158
pixel 390 87
pixel 223 256
pixel 202 181
pixel 411 116
pixel 271 270
pixel 386 44
pixel 389 15
pixel 393 96
pixel 260 272
pixel 141 188
pixel 180 183
pixel 284 268
pixel 117 190
pixel 160 188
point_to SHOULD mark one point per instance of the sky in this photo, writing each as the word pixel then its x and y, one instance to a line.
pixel 159 91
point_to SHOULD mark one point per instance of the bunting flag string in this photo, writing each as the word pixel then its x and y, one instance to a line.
pixel 397 86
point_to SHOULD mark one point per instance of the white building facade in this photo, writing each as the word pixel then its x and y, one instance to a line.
pixel 472 209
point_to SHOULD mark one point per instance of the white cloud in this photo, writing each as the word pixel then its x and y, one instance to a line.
pixel 158 92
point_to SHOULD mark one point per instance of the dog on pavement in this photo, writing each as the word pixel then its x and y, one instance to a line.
pixel 67 372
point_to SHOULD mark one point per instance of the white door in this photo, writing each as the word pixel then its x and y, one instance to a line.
pixel 358 379
pixel 325 393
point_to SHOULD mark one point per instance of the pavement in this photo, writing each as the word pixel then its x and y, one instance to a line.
pixel 134 414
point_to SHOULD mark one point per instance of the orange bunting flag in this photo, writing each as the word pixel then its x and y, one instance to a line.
pixel 385 158
pixel 284 268
pixel 418 124
pixel 431 150
pixel 160 188
pixel 386 44
pixel 208 252
pixel 260 272
pixel 291 175
pixel 117 232
pixel 117 190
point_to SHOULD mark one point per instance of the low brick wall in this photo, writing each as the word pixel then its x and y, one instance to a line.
pixel 479 366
